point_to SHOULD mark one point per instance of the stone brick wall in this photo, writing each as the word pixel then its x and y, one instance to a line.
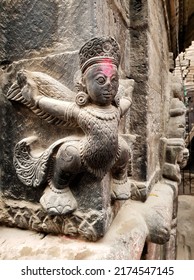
pixel 158 83
pixel 149 67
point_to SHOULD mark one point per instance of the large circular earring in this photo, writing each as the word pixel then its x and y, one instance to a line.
pixel 81 98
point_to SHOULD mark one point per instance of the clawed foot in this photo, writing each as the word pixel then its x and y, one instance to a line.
pixel 58 201
pixel 121 189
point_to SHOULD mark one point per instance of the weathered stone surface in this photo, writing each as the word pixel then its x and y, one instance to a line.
pixel 32 28
pixel 87 222
pixel 185 228
pixel 52 26
pixel 125 239
pixel 149 67
pixel 158 84
pixel 138 72
pixel 24 21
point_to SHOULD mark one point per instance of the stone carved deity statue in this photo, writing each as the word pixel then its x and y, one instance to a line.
pixel 97 110
pixel 176 152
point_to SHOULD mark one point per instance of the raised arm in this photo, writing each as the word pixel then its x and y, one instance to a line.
pixel 60 109
pixel 46 97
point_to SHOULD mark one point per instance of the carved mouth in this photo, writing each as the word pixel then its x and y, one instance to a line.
pixel 107 94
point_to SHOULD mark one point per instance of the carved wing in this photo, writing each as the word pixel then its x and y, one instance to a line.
pixel 44 85
pixel 33 171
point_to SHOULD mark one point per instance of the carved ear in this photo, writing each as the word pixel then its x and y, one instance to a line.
pixel 81 85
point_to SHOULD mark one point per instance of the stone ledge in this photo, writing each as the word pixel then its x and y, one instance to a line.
pixel 135 223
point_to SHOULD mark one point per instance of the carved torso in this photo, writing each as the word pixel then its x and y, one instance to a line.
pixel 99 147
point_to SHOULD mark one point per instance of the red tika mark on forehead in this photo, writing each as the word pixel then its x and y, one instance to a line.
pixel 108 66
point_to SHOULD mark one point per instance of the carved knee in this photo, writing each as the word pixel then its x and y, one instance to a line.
pixel 67 163
pixel 119 170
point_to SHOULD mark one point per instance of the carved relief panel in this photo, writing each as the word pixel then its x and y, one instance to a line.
pixel 75 167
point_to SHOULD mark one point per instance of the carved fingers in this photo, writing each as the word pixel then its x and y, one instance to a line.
pixel 28 87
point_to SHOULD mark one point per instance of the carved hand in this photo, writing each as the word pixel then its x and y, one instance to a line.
pixel 125 104
pixel 28 87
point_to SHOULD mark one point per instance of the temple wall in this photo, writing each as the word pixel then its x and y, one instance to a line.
pixel 158 84
pixel 46 36
pixel 149 67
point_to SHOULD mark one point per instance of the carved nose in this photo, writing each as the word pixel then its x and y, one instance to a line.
pixel 109 86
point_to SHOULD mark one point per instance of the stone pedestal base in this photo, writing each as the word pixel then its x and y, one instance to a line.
pixel 135 223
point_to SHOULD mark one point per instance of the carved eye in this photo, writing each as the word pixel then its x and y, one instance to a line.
pixel 114 80
pixel 101 80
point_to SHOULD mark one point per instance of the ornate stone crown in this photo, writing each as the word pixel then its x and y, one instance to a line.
pixel 97 49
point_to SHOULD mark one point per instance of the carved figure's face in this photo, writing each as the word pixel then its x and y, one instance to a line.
pixel 102 82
